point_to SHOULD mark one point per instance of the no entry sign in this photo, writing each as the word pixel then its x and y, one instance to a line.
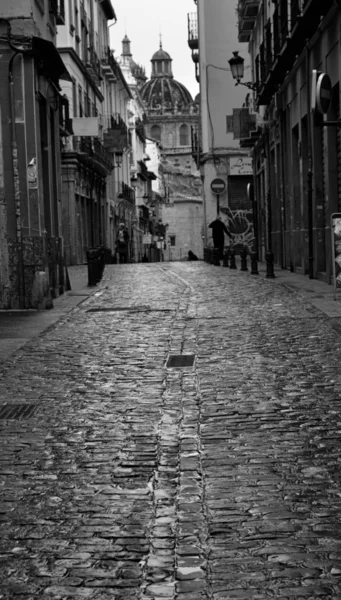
pixel 218 186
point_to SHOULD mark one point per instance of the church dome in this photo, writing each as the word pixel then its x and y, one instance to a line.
pixel 162 92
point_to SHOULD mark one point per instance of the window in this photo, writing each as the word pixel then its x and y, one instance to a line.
pixel 159 67
pixel 71 17
pixel 80 97
pixel 74 97
pixel 155 132
pixel 172 239
pixel 184 139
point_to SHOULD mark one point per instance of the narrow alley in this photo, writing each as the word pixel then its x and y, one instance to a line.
pixel 176 435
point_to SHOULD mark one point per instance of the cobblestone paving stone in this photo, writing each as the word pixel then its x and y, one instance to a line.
pixel 136 481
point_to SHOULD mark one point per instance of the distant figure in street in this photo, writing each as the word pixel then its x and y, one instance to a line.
pixel 192 256
pixel 122 242
pixel 218 230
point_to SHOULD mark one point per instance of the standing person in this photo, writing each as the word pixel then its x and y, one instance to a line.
pixel 122 243
pixel 218 230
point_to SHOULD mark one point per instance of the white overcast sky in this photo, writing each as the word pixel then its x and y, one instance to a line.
pixel 143 20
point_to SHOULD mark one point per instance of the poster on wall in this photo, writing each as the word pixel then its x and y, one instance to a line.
pixel 336 250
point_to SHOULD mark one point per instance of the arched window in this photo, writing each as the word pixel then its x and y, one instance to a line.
pixel 159 67
pixel 155 132
pixel 184 139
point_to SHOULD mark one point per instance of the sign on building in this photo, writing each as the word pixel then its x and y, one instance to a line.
pixel 241 165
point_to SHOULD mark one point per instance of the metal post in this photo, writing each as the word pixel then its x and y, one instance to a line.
pixel 243 260
pixel 310 223
pixel 254 265
pixel 233 259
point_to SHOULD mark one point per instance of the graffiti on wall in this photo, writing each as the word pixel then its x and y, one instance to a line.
pixel 240 225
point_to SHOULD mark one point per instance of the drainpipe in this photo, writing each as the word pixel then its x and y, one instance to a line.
pixel 310 173
pixel 16 183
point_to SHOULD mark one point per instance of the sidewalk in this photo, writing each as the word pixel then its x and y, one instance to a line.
pixel 17 327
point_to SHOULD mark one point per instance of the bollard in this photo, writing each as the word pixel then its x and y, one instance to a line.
pixel 254 265
pixel 269 257
pixel 243 260
pixel 233 259
pixel 216 257
pixel 210 255
pixel 205 253
pixel 91 268
pixel 226 257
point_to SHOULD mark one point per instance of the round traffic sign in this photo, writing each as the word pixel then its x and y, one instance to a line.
pixel 218 185
pixel 323 93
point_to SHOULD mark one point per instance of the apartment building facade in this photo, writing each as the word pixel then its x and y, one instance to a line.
pixel 34 116
pixel 297 159
pixel 212 38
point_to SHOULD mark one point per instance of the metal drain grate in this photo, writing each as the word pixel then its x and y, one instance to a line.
pixel 120 308
pixel 17 411
pixel 180 360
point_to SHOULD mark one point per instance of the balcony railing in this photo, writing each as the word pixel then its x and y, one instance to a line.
pixel 296 7
pixel 93 65
pixel 247 14
pixel 65 123
pixel 193 38
pixel 140 130
pixel 117 137
pixel 60 17
pixel 93 152
pixel 127 193
pixel 109 64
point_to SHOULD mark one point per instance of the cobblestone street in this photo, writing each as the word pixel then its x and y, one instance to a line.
pixel 128 478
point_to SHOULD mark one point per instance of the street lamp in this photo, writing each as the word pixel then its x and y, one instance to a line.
pixel 237 69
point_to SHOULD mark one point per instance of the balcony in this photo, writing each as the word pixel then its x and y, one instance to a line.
pixel 93 65
pixel 294 21
pixel 140 131
pixel 127 193
pixel 65 123
pixel 197 72
pixel 193 37
pixel 109 64
pixel 143 172
pixel 247 14
pixel 91 152
pixel 117 138
pixel 196 145
pixel 60 17
pixel 53 7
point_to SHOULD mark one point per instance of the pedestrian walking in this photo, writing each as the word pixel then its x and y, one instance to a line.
pixel 122 243
pixel 218 230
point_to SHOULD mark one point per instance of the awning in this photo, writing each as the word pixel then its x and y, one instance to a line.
pixel 49 58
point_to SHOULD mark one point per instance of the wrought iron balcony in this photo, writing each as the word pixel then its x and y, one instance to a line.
pixel 93 65
pixel 118 137
pixel 65 123
pixel 60 17
pixel 91 152
pixel 247 14
pixel 293 22
pixel 109 64
pixel 127 193
pixel 193 37
pixel 140 130
pixel 53 7
pixel 196 145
